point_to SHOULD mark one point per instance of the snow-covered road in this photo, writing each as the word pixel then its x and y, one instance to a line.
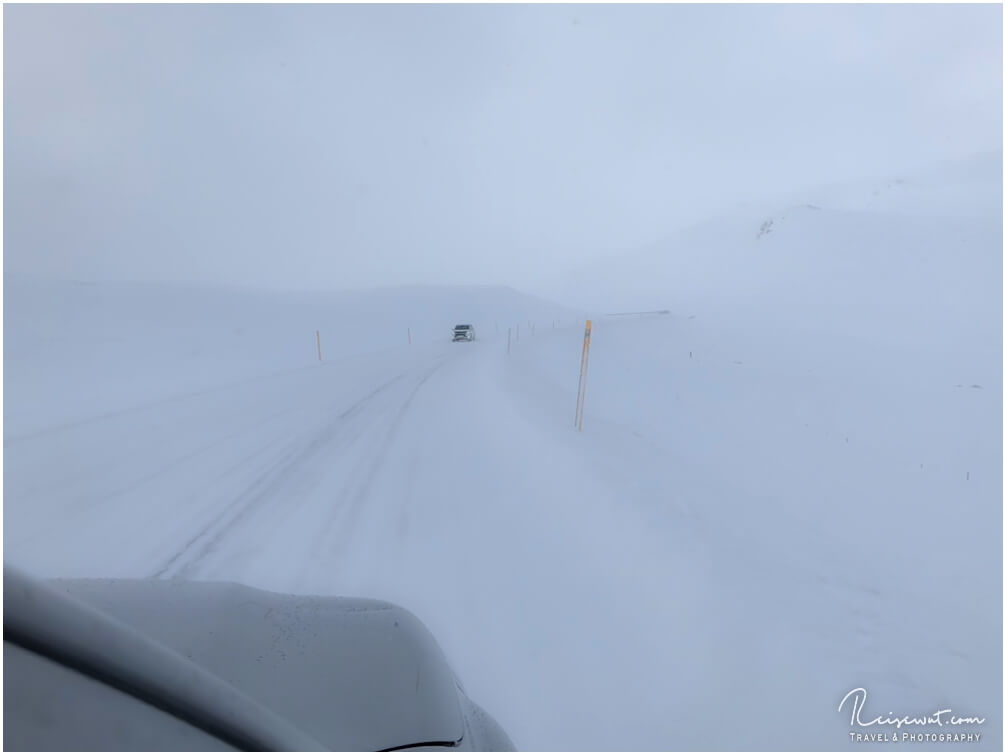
pixel 169 488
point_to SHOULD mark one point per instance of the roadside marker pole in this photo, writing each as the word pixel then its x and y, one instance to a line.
pixel 586 364
pixel 317 337
pixel 518 333
pixel 508 340
pixel 410 336
pixel 581 390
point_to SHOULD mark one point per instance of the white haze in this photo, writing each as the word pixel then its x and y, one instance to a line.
pixel 787 486
pixel 342 146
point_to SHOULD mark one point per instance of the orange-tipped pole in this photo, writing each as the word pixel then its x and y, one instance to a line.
pixel 581 389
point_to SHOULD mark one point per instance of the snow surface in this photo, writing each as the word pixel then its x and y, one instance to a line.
pixel 787 488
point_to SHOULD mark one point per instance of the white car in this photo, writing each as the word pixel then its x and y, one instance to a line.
pixel 463 333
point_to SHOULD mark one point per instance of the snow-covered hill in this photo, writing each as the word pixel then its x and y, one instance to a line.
pixel 914 262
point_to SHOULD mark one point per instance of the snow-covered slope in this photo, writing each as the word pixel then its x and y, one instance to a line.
pixel 912 262
pixel 812 413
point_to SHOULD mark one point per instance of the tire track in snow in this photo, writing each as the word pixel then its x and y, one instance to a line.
pixel 85 507
pixel 339 531
pixel 297 456
pixel 148 406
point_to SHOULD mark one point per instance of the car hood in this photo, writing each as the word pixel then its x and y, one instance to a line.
pixel 355 674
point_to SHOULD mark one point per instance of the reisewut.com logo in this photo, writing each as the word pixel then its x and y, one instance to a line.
pixel 943 719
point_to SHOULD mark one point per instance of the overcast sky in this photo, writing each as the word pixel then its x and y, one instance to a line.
pixel 340 146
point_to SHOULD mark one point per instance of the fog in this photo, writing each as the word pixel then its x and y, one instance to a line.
pixel 346 146
pixel 783 224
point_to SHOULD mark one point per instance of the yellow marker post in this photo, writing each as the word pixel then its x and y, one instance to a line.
pixel 317 336
pixel 581 390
